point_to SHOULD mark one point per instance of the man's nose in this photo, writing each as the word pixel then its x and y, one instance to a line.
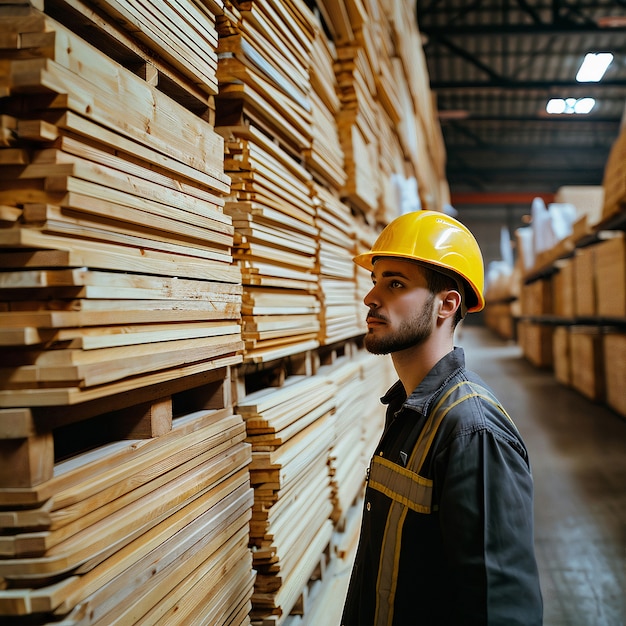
pixel 370 300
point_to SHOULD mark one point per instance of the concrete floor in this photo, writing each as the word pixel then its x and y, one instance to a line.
pixel 578 454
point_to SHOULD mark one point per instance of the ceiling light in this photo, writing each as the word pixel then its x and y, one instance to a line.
pixel 593 67
pixel 569 106
pixel 555 106
pixel 584 105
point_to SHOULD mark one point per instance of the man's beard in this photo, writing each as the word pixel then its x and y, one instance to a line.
pixel 412 332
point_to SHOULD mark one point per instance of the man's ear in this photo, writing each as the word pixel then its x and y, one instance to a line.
pixel 449 303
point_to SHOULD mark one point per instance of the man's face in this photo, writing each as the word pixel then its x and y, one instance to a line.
pixel 400 305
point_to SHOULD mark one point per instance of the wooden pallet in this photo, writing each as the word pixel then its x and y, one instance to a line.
pixel 34 439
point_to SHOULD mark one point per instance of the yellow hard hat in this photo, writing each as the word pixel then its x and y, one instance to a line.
pixel 435 239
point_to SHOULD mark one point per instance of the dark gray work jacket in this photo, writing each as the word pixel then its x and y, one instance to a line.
pixel 447 531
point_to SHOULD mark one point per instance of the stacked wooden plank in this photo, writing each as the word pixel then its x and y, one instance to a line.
pixel 136 278
pixel 182 34
pixel 325 159
pixel 290 428
pixel 352 438
pixel 264 114
pixel 275 246
pixel 134 531
pixel 378 375
pixel 264 54
pixel 365 238
pixel 340 314
pixel 383 79
pixel 110 219
pixel 399 191
pixel 123 497
pixel 358 127
pixel 411 73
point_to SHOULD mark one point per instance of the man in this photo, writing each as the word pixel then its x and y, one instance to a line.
pixel 447 530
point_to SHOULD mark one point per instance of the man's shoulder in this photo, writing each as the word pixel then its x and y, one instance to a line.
pixel 468 405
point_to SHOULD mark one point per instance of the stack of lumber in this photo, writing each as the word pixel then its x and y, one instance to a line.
pixel 419 107
pixel 365 238
pixel 341 311
pixel 383 81
pixel 356 401
pixel 325 159
pixel 291 429
pixel 182 35
pixel 264 115
pixel 183 185
pixel 394 184
pixel 358 131
pixel 275 247
pixel 264 51
pixel 135 532
pixel 117 251
pixel 378 375
pixel 120 307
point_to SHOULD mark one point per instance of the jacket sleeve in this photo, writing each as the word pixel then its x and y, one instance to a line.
pixel 486 517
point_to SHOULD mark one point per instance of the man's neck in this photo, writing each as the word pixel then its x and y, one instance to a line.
pixel 413 364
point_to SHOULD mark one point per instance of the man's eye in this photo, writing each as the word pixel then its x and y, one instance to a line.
pixel 395 284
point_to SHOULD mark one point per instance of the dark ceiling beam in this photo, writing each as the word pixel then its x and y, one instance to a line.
pixel 551 149
pixel 499 197
pixel 470 58
pixel 490 171
pixel 521 179
pixel 536 18
pixel 519 85
pixel 437 33
pixel 514 181
pixel 540 119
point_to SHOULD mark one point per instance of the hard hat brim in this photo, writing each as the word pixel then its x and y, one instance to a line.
pixel 366 261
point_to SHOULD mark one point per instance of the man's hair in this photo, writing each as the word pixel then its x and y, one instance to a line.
pixel 437 281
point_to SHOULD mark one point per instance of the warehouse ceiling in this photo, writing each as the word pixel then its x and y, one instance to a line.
pixel 493 66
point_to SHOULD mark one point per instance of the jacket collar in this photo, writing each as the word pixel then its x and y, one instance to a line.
pixel 431 385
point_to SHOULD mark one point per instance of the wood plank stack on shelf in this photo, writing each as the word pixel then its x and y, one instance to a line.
pixel 182 34
pixel 587 373
pixel 134 529
pixel 395 112
pixel 325 158
pixel 264 115
pixel 290 428
pixel 124 494
pixel 614 355
pixel 411 71
pixel 610 276
pixel 394 182
pixel 358 128
pixel 340 312
pixel 535 339
pixel 94 190
pixel 272 209
pixel 264 57
pixel 562 355
pixel 378 375
pixel 135 280
pixel 365 238
pixel 359 379
pixel 573 299
pixel 387 122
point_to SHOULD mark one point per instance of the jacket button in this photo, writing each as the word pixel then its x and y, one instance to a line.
pixel 368 506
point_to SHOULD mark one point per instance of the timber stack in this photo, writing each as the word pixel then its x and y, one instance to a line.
pixel 186 407
pixel 125 482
